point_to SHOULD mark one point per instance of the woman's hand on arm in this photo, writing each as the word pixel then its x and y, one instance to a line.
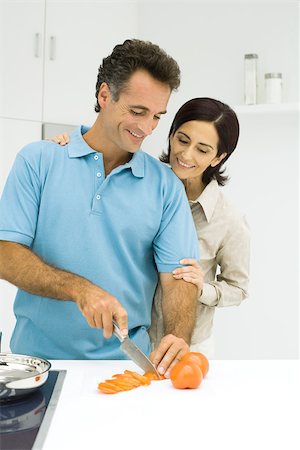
pixel 191 273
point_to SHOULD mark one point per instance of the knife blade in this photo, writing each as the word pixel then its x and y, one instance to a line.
pixel 134 353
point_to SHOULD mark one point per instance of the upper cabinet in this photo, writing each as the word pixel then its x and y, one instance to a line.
pixel 50 54
pixel 50 51
pixel 78 36
pixel 21 59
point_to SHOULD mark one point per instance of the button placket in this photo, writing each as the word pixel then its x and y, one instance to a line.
pixel 99 180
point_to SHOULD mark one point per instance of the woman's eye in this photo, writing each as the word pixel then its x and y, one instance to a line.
pixel 182 141
pixel 202 151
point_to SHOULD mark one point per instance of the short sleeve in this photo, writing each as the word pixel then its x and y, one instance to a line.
pixel 19 203
pixel 176 238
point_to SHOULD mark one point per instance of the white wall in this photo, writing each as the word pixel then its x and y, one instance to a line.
pixel 264 183
pixel 209 39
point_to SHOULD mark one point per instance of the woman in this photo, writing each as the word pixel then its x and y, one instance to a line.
pixel 203 135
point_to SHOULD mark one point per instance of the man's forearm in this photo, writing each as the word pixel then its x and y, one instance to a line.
pixel 23 268
pixel 179 307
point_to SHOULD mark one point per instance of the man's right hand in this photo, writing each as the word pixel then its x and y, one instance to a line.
pixel 100 308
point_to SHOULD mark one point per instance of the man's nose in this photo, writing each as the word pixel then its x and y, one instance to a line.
pixel 148 126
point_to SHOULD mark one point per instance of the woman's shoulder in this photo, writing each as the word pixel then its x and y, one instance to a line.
pixel 231 213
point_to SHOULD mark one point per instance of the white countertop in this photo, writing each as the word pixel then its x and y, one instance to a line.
pixel 240 405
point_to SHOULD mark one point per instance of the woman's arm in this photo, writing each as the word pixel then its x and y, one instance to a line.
pixel 233 257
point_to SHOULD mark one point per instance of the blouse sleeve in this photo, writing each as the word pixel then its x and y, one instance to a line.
pixel 233 259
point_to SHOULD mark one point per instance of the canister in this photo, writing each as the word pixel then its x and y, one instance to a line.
pixel 273 87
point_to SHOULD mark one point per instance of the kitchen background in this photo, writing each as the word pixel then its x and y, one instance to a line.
pixel 50 51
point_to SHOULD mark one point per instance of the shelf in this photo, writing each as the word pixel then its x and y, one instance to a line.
pixel 267 108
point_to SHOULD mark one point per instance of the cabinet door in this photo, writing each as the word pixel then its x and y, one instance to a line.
pixel 78 35
pixel 21 58
pixel 14 134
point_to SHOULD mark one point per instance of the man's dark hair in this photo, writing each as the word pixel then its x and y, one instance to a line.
pixel 132 55
pixel 225 122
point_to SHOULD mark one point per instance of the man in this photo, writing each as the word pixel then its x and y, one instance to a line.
pixel 84 230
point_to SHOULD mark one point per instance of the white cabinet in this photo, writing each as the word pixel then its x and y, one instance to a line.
pixel 21 59
pixel 78 36
pixel 50 54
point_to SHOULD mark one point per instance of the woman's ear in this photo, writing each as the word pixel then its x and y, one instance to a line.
pixel 218 159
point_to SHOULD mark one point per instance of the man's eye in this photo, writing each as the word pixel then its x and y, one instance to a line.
pixel 135 113
pixel 157 117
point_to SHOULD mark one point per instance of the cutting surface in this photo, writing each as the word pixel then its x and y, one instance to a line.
pixel 240 405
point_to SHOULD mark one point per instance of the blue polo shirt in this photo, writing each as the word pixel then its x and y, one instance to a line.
pixel 117 231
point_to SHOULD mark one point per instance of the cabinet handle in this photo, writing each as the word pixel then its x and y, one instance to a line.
pixel 37 45
pixel 52 48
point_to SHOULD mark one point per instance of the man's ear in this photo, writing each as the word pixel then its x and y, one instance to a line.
pixel 218 159
pixel 103 95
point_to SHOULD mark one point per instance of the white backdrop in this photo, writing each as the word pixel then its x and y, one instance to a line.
pixel 209 39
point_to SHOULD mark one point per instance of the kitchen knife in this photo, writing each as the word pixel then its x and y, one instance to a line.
pixel 134 353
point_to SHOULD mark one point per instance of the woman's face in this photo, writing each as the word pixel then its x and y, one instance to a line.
pixel 194 147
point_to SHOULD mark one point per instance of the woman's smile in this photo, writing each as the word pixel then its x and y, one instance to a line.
pixel 184 164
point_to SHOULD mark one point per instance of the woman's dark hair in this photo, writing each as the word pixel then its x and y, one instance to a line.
pixel 226 125
pixel 134 54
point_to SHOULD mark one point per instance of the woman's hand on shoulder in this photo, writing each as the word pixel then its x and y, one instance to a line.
pixel 61 139
pixel 191 272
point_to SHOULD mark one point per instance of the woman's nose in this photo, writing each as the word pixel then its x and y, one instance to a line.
pixel 188 152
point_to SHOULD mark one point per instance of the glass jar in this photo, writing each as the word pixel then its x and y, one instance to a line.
pixel 250 65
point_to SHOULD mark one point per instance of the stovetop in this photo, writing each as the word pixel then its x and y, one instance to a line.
pixel 24 423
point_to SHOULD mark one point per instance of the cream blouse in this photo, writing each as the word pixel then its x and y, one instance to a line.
pixel 224 240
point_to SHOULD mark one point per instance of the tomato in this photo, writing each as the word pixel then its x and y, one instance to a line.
pixel 186 374
pixel 199 359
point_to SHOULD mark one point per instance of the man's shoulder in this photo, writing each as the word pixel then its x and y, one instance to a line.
pixel 160 168
pixel 36 148
pixel 42 151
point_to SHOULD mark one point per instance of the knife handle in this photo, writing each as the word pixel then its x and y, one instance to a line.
pixel 117 332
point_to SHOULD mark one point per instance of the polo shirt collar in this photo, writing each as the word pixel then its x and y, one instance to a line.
pixel 137 164
pixel 78 148
pixel 208 199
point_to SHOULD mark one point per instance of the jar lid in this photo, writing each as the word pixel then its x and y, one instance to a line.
pixel 251 55
pixel 273 75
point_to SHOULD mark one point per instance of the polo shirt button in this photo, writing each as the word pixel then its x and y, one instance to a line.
pixel 98 197
pixel 96 157
pixel 98 174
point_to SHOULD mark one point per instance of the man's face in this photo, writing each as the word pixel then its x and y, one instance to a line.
pixel 136 114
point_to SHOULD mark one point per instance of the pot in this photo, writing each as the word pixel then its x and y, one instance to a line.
pixel 21 374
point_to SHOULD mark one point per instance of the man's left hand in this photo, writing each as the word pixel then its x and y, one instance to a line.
pixel 170 350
